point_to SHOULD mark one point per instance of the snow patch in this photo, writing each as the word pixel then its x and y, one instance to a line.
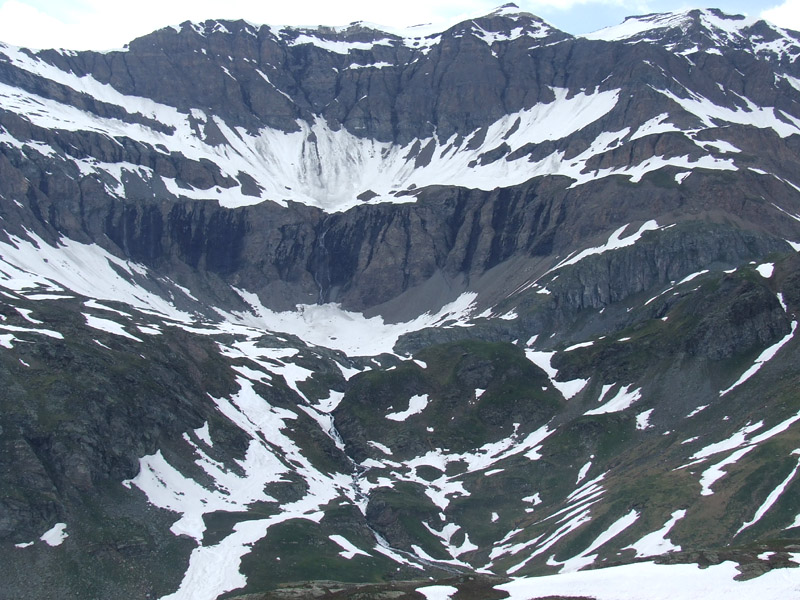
pixel 765 270
pixel 622 400
pixel 330 326
pixel 349 551
pixel 585 558
pixel 109 327
pixel 438 592
pixel 762 359
pixel 771 498
pixel 415 406
pixel 615 241
pixel 643 420
pixel 648 581
pixel 542 359
pixel 584 471
pixel 656 543
pixel 56 535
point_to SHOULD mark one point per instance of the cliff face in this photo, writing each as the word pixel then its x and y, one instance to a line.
pixel 464 126
pixel 461 300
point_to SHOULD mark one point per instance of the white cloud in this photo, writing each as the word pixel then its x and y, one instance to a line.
pixel 99 24
pixel 784 15
pixel 22 24
pixel 534 5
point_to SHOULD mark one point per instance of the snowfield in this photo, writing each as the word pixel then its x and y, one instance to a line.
pixel 650 581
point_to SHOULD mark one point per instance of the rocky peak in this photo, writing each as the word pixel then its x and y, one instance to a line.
pixel 508 23
pixel 708 30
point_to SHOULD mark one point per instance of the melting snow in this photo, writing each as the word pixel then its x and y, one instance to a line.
pixel 574 523
pixel 736 440
pixel 697 410
pixel 757 116
pixel 56 535
pixel 765 356
pixel 323 166
pixel 782 302
pixel 689 278
pixel 584 471
pixel 772 498
pixel 204 435
pixel 742 445
pixel 643 420
pixel 585 558
pixel 656 543
pixel 446 536
pixel 86 269
pixel 330 326
pixel 649 581
pixel 439 490
pixel 385 449
pixel 214 570
pixel 349 551
pixel 338 47
pixel 438 592
pixel 14 328
pixel 109 327
pixel 576 346
pixel 765 270
pixel 542 359
pixel 620 402
pixel 615 241
pixel 415 406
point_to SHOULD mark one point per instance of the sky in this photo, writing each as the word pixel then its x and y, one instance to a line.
pixel 104 24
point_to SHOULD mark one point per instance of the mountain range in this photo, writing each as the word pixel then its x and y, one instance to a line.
pixel 487 311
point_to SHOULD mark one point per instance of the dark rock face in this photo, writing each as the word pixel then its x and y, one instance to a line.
pixel 83 420
pixel 383 87
pixel 744 317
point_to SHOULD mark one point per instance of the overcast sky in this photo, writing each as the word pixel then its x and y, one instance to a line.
pixel 106 24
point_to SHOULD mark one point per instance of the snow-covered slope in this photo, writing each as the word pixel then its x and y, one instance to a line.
pixel 324 156
pixel 710 31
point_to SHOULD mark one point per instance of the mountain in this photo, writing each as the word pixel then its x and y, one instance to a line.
pixel 710 31
pixel 486 311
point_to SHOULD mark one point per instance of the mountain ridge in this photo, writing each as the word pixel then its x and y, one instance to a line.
pixel 276 314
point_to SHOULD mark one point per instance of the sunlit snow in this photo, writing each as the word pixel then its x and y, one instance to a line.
pixel 437 592
pixel 109 327
pixel 585 558
pixel 615 241
pixel 349 550
pixel 415 406
pixel 322 166
pixel 542 359
pixel 56 535
pixel 656 543
pixel 330 326
pixel 643 419
pixel 772 497
pixel 622 400
pixel 765 270
pixel 762 359
pixel 271 453
pixel 649 581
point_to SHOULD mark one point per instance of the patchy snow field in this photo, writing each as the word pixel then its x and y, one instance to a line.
pixel 649 581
